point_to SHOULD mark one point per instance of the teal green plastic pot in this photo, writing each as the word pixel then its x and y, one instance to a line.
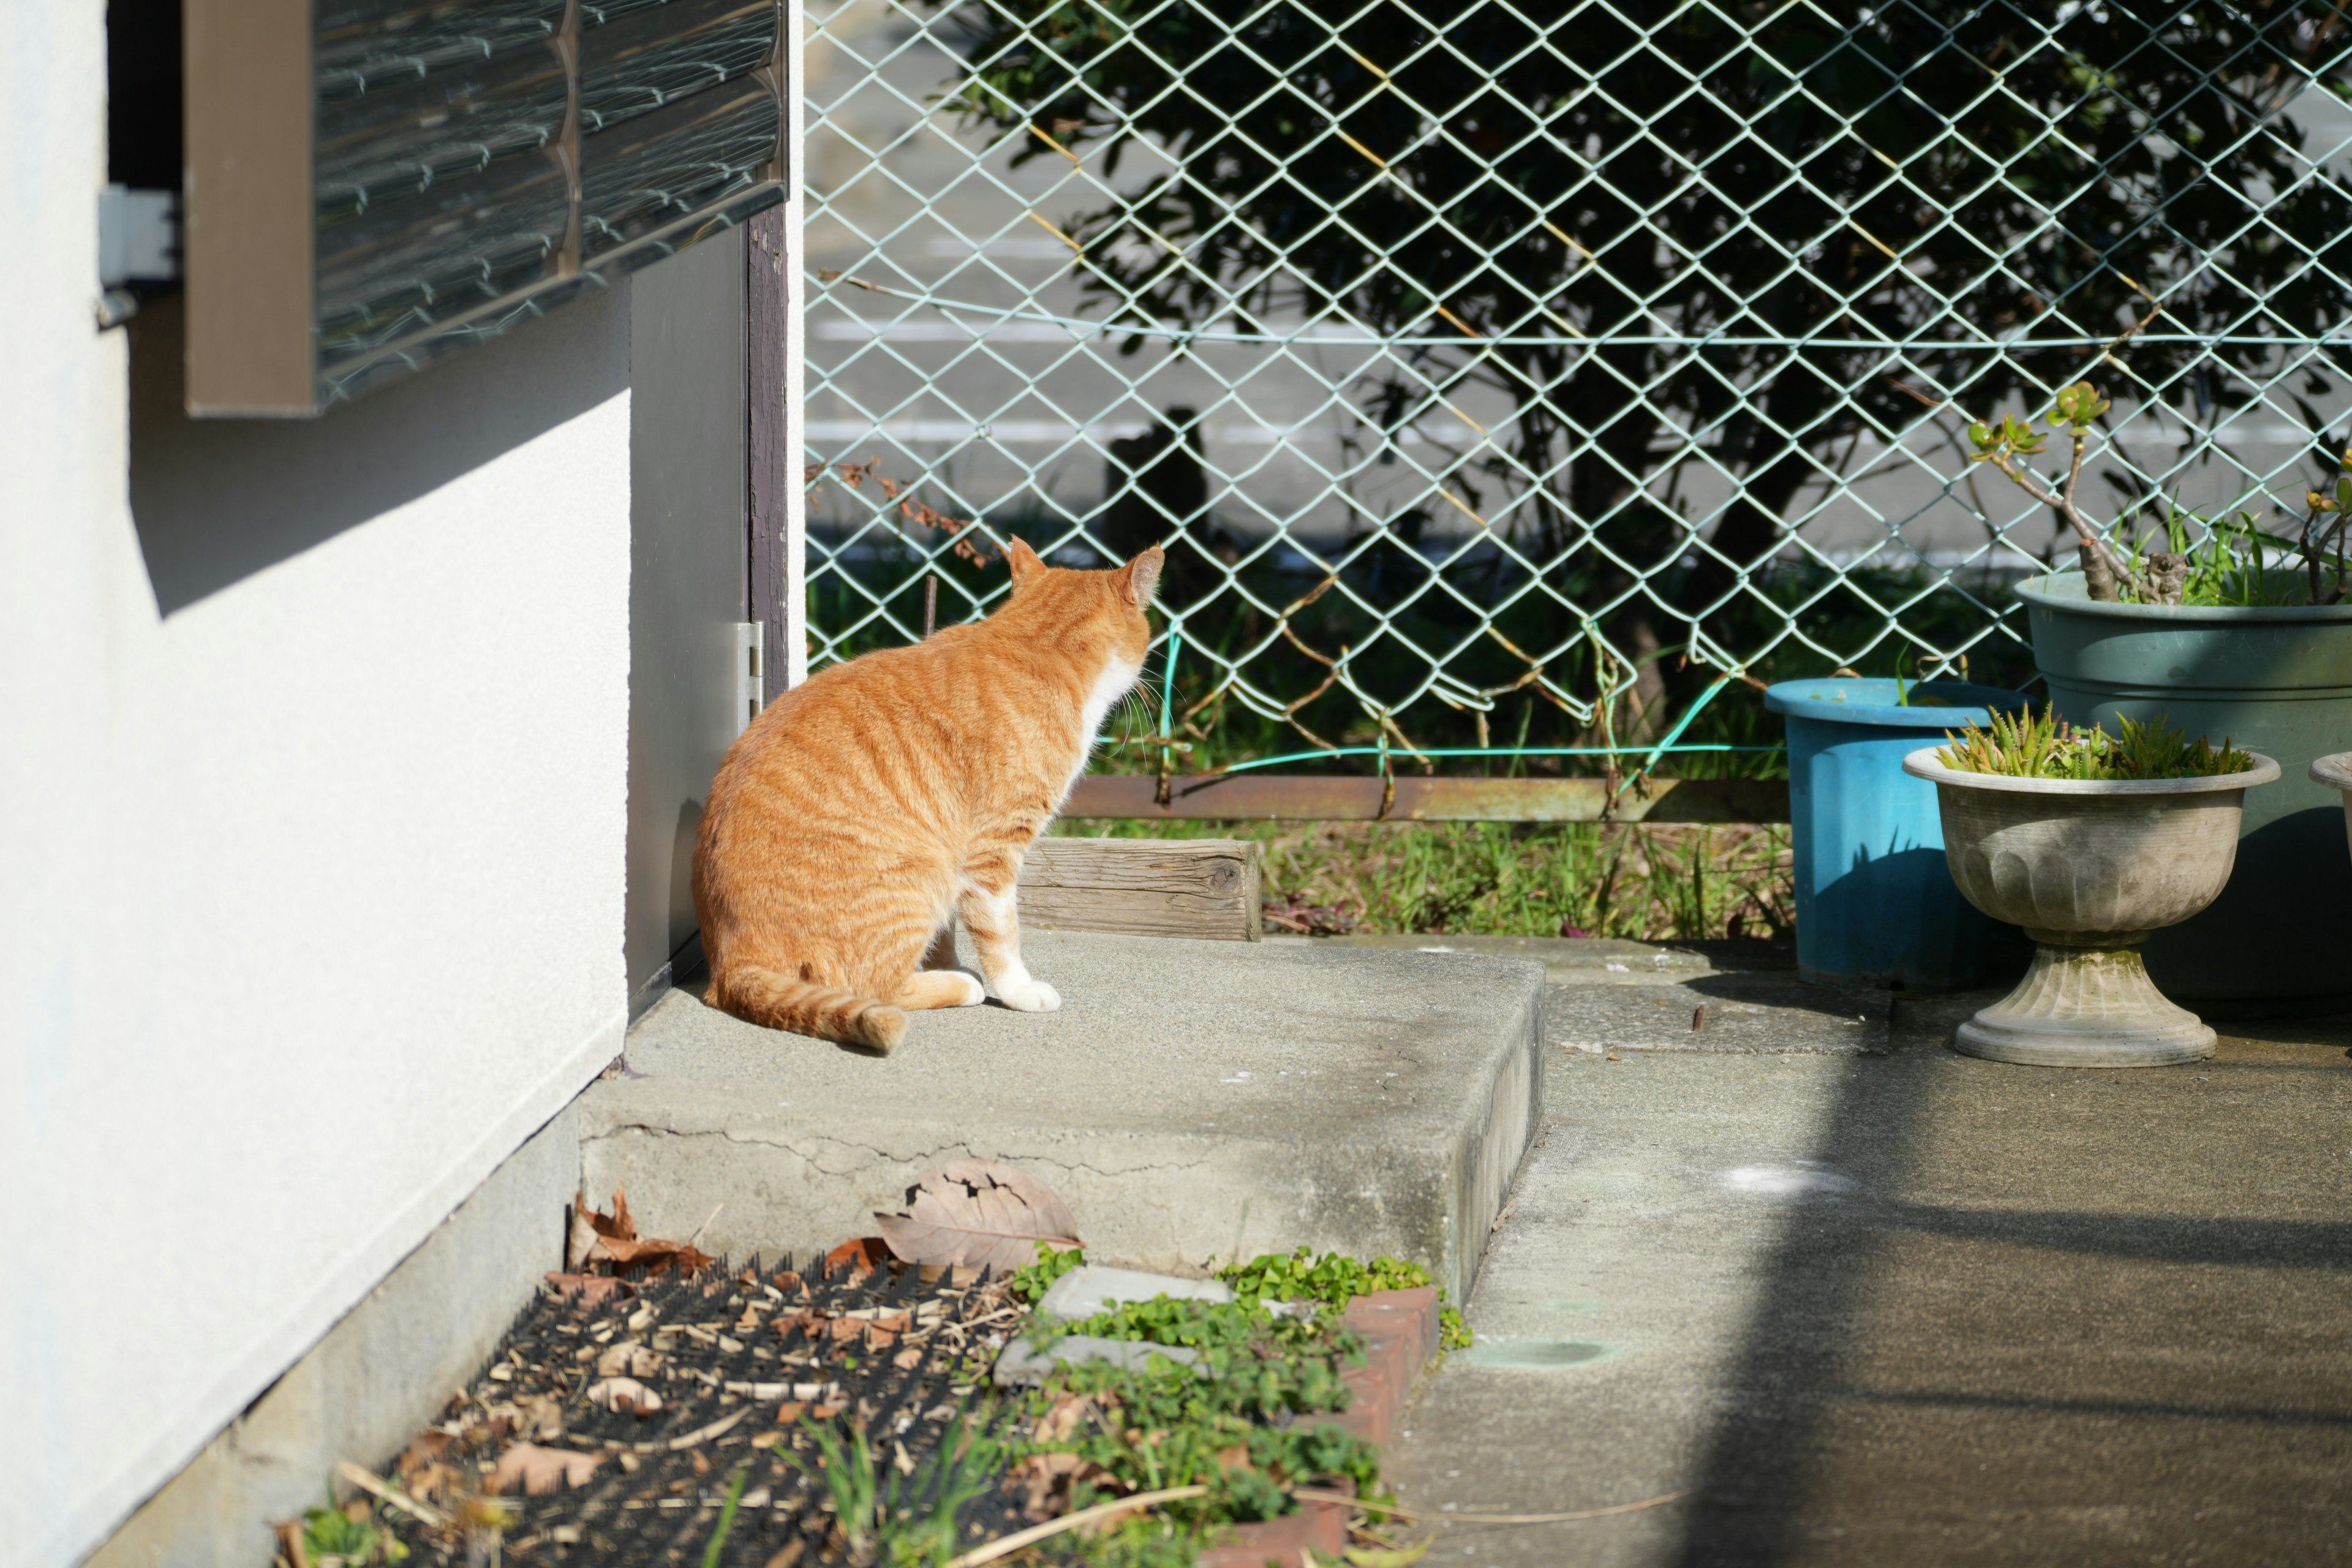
pixel 2275 680
pixel 1876 901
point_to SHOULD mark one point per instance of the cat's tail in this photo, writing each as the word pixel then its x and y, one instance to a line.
pixel 780 1002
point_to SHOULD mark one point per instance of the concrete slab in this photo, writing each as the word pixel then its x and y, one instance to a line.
pixel 1191 1101
pixel 1609 994
pixel 1719 1012
pixel 1913 1309
pixel 1591 960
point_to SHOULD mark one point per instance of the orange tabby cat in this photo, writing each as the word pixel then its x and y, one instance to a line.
pixel 872 803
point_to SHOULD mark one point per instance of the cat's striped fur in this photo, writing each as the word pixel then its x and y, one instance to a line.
pixel 869 805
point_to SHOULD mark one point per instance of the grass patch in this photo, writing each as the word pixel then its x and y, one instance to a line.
pixel 1668 881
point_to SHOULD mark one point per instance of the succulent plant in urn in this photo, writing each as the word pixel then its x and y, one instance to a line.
pixel 2089 841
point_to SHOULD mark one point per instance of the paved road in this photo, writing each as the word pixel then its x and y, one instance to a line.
pixel 1913 1309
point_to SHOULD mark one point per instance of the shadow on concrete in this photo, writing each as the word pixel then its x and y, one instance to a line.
pixel 1759 1465
pixel 2027 1366
pixel 2236 1243
pixel 2106 1409
pixel 216 500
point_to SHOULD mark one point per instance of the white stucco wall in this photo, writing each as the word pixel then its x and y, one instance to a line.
pixel 312 811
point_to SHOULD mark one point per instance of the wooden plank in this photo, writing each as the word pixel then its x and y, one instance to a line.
pixel 1144 886
pixel 1252 797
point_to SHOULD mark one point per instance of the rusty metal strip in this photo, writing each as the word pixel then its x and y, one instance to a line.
pixel 1237 797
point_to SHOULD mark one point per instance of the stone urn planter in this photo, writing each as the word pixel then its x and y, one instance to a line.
pixel 2273 678
pixel 2089 868
pixel 2336 773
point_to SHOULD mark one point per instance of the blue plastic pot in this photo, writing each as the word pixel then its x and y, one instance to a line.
pixel 1875 903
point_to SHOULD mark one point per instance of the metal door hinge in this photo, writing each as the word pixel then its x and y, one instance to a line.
pixel 750 638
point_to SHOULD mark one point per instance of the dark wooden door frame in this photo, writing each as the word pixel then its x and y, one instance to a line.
pixel 774 580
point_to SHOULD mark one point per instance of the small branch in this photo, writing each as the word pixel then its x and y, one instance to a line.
pixel 1305 1495
pixel 1005 1545
pixel 376 1486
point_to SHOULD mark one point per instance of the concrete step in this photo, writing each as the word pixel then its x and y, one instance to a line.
pixel 1593 960
pixel 1608 995
pixel 1191 1101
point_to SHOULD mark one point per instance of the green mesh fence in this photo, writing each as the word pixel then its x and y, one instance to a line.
pixel 1539 379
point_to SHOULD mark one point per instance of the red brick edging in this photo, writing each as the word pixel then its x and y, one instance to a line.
pixel 1400 1330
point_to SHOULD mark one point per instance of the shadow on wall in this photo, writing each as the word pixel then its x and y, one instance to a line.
pixel 216 500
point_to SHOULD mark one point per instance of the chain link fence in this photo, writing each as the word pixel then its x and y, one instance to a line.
pixel 1533 382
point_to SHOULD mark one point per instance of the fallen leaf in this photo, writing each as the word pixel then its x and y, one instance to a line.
pixel 594 1289
pixel 624 1395
pixel 539 1472
pixel 1048 1480
pixel 612 1239
pixel 978 1213
pixel 629 1358
pixel 1065 1416
pixel 788 1557
pixel 790 1412
pixel 290 1542
pixel 862 1256
pixel 907 1359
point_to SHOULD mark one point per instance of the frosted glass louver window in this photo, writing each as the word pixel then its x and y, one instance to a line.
pixel 374 182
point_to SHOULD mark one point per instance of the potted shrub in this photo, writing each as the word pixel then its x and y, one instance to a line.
pixel 2228 628
pixel 2090 843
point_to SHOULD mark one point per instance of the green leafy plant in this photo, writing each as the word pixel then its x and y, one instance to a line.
pixel 1333 1278
pixel 2040 746
pixel 350 1533
pixel 1031 1281
pixel 1276 1365
pixel 2227 563
pixel 903 1521
pixel 1172 1426
pixel 718 1542
pixel 1334 1281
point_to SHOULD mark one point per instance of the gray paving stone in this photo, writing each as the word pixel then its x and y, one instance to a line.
pixel 1091 1288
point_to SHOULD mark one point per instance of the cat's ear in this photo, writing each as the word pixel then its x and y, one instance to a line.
pixel 1139 578
pixel 1023 560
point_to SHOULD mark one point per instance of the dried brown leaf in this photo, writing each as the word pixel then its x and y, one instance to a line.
pixel 624 1395
pixel 862 1256
pixel 629 1358
pixel 594 1289
pixel 978 1213
pixel 539 1472
pixel 610 1241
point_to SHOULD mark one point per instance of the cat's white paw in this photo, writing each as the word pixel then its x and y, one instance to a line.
pixel 1028 994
